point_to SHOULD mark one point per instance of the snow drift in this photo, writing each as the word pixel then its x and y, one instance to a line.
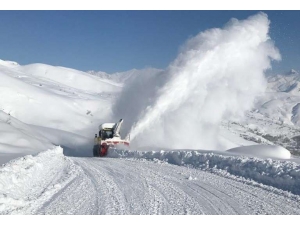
pixel 263 151
pixel 216 75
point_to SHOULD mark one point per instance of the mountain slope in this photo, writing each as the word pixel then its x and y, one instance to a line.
pixel 123 77
pixel 19 139
pixel 281 98
pixel 55 97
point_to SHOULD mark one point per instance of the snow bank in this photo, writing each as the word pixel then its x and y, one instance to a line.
pixel 280 174
pixel 264 151
pixel 28 181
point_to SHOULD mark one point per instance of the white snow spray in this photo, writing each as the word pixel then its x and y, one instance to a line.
pixel 216 76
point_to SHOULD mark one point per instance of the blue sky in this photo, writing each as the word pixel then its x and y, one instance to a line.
pixel 114 41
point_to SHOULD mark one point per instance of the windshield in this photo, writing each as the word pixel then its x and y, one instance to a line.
pixel 106 134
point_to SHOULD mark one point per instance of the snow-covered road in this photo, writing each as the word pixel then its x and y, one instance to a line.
pixel 131 186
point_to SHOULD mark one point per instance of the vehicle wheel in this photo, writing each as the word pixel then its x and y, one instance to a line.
pixel 95 151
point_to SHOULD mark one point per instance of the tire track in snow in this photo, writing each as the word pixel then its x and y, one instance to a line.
pixel 77 197
pixel 109 196
pixel 177 201
pixel 131 186
pixel 139 197
pixel 163 197
pixel 265 204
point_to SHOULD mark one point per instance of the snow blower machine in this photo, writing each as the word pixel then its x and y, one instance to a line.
pixel 109 136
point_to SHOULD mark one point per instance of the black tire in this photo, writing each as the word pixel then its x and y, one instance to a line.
pixel 96 151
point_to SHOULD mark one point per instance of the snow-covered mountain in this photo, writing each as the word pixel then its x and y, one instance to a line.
pixel 66 100
pixel 76 102
pixel 123 77
pixel 54 97
pixel 274 118
pixel 288 82
pixel 43 106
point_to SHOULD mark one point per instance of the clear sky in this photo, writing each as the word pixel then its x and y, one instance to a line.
pixel 114 41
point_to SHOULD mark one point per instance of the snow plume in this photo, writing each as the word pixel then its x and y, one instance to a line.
pixel 216 76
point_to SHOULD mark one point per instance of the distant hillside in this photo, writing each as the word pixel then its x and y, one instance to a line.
pixel 55 97
pixel 288 82
pixel 123 77
pixel 282 98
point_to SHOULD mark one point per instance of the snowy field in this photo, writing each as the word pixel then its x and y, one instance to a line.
pixel 204 139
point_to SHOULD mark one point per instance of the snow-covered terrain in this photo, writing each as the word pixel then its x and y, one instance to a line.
pixel 127 76
pixel 209 134
pixel 274 118
pixel 281 100
pixel 51 183
pixel 54 97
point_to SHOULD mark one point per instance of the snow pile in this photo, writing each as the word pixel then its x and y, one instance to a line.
pixel 263 151
pixel 284 175
pixel 217 75
pixel 29 181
